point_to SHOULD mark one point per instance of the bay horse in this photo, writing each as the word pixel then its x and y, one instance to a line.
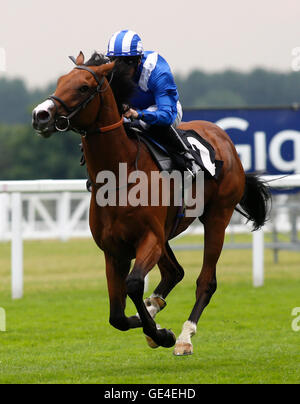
pixel 89 101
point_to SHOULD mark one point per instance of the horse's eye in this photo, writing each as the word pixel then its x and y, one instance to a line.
pixel 84 89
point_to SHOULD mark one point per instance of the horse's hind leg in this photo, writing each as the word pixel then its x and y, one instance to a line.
pixel 215 223
pixel 171 274
pixel 147 256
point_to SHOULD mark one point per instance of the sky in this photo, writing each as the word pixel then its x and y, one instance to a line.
pixel 36 36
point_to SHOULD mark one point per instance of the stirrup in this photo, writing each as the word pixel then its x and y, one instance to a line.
pixel 194 172
pixel 191 173
pixel 195 169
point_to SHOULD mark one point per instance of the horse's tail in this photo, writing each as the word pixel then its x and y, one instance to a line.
pixel 256 200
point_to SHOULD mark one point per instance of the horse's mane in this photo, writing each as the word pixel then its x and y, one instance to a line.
pixel 121 83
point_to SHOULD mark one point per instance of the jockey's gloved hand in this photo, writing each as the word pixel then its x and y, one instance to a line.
pixel 125 108
pixel 131 114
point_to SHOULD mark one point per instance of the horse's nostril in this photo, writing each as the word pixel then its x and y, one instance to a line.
pixel 43 116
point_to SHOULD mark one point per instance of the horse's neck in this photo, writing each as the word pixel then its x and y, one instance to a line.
pixel 104 152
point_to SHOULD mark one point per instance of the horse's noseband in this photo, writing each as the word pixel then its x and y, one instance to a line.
pixel 62 122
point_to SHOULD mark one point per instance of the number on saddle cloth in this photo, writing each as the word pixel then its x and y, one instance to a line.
pixel 203 153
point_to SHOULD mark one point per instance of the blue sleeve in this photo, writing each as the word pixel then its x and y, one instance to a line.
pixel 165 93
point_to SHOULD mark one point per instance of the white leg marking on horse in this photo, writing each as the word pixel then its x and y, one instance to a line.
pixel 184 344
pixel 154 304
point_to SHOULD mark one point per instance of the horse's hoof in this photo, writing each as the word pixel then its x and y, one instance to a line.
pixel 165 338
pixel 134 322
pixel 183 349
pixel 152 344
pixel 168 338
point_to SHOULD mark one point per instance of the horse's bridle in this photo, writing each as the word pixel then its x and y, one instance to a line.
pixel 62 122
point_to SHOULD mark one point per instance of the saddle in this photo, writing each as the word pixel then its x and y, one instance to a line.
pixel 202 151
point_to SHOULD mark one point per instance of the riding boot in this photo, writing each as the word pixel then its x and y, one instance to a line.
pixel 173 140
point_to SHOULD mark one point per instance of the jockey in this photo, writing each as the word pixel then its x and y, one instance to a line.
pixel 156 100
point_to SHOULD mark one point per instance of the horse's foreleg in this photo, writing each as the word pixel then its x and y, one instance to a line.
pixel 147 256
pixel 116 272
pixel 214 224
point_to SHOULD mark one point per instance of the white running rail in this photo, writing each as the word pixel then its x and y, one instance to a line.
pixel 59 209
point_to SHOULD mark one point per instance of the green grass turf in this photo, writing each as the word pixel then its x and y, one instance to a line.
pixel 59 332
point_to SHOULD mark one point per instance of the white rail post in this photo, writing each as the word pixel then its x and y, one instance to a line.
pixel 17 246
pixel 64 211
pixel 258 258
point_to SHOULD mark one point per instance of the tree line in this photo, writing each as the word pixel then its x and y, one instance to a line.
pixel 24 155
pixel 236 89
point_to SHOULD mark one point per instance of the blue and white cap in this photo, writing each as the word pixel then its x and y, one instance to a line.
pixel 125 43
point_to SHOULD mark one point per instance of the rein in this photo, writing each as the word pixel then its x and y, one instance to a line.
pixel 62 122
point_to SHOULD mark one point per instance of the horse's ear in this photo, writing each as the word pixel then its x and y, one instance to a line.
pixel 80 59
pixel 106 68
